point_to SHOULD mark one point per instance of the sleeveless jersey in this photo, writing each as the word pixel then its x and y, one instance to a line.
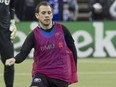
pixel 52 56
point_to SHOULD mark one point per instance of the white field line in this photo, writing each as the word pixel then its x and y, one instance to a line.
pixel 97 73
pixel 98 62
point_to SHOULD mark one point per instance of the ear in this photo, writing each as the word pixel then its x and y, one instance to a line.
pixel 36 15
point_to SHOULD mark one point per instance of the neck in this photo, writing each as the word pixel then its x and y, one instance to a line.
pixel 46 27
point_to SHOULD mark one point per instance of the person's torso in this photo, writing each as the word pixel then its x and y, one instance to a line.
pixel 48 45
pixel 4 13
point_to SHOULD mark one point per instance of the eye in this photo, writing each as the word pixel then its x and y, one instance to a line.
pixel 49 12
pixel 43 12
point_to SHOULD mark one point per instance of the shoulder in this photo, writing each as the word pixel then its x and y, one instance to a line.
pixel 63 26
pixel 35 29
pixel 65 30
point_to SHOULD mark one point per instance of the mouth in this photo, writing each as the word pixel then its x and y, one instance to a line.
pixel 46 20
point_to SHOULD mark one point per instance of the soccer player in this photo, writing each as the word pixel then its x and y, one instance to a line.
pixel 7 32
pixel 55 55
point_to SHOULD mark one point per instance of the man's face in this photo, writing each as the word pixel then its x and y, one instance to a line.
pixel 45 15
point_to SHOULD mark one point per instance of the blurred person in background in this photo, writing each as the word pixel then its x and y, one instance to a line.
pixel 113 10
pixel 99 9
pixel 66 12
pixel 73 9
pixel 55 59
pixel 7 33
pixel 70 10
pixel 57 9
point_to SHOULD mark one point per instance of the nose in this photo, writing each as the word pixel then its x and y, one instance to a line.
pixel 47 16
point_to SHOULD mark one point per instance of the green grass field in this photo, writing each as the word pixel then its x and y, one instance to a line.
pixel 92 72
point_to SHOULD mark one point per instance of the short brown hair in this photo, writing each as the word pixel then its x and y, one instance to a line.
pixel 45 3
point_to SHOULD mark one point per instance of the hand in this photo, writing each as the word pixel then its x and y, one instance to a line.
pixel 13 29
pixel 10 62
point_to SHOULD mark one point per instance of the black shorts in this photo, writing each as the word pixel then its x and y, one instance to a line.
pixel 6 46
pixel 40 80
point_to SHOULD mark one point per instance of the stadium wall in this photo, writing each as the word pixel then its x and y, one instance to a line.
pixel 92 39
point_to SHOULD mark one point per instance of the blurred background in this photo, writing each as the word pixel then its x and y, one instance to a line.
pixel 69 10
pixel 92 24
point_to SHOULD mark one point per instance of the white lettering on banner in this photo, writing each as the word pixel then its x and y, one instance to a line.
pixel 87 40
pixel 103 41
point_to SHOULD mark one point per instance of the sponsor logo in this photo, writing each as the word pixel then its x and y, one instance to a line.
pixel 37 80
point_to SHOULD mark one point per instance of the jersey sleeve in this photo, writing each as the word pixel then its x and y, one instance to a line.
pixel 26 48
pixel 70 43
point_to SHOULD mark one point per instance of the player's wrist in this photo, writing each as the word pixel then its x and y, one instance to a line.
pixel 16 61
pixel 12 21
